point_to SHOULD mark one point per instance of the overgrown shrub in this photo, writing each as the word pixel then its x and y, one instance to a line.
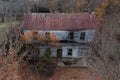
pixel 46 65
pixel 11 38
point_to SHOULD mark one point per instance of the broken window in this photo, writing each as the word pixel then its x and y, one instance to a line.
pixel 71 35
pixel 69 52
pixel 82 36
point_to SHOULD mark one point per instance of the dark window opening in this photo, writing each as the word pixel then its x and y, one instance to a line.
pixel 69 52
pixel 71 35
pixel 82 36
pixel 59 52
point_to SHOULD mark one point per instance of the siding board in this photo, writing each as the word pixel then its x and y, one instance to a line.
pixel 63 35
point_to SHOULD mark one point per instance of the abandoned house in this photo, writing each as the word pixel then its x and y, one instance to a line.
pixel 75 32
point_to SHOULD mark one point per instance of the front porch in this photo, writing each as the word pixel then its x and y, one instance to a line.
pixel 72 62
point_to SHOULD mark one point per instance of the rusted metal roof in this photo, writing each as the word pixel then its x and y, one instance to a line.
pixel 59 21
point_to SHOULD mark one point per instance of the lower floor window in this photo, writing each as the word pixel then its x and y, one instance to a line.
pixel 59 52
pixel 69 53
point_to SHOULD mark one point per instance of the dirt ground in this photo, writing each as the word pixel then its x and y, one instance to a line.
pixel 11 69
pixel 61 73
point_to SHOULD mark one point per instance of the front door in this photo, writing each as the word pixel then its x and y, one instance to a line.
pixel 59 52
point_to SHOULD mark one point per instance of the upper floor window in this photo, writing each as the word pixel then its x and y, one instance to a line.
pixel 69 53
pixel 71 35
pixel 82 36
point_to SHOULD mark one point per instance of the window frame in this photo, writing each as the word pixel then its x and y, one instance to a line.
pixel 59 54
pixel 71 35
pixel 69 52
pixel 82 35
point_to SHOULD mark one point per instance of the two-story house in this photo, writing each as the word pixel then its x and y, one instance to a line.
pixel 75 32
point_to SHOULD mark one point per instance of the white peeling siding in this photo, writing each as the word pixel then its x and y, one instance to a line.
pixel 64 52
pixel 90 35
pixel 63 35
pixel 76 51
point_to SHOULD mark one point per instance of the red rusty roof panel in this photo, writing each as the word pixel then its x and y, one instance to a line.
pixel 59 21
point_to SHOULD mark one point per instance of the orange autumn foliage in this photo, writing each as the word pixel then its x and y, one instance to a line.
pixel 54 39
pixel 105 4
pixel 30 35
pixel 99 14
pixel 27 36
pixel 100 11
pixel 33 35
pixel 108 5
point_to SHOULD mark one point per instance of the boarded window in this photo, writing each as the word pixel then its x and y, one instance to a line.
pixel 82 36
pixel 69 52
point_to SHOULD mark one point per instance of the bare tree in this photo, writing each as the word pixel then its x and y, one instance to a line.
pixel 105 57
pixel 11 39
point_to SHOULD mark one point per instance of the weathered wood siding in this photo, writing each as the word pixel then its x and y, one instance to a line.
pixel 77 51
pixel 64 35
pixel 89 34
